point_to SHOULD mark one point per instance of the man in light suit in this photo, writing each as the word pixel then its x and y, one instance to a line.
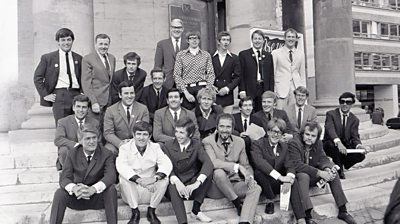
pixel 122 116
pixel 257 70
pixel 144 170
pixel 167 49
pixel 132 73
pixel 87 180
pixel 165 118
pixel 97 71
pixel 228 155
pixel 307 113
pixel 227 72
pixel 289 69
pixel 67 128
pixel 57 78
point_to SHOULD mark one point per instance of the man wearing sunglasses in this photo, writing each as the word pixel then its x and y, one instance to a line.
pixel 341 133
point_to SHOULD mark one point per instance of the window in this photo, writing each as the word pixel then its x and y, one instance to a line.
pixel 394 4
pixel 395 62
pixel 360 28
pixel 385 62
pixel 384 29
pixel 376 61
pixel 357 60
pixel 366 57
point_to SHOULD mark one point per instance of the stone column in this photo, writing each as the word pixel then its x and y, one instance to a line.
pixel 386 97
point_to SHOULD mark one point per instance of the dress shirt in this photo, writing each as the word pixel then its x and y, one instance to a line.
pixel 130 109
pixel 173 40
pixel 63 78
pixel 336 140
pixel 129 74
pixel 178 112
pixel 297 111
pixel 257 60
pixel 205 114
pixel 247 120
pixel 77 121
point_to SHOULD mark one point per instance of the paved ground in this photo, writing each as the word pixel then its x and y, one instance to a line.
pixel 368 216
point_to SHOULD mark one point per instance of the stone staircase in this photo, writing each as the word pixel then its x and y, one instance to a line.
pixel 28 180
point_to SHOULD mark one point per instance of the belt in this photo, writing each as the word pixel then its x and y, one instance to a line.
pixel 201 83
pixel 68 89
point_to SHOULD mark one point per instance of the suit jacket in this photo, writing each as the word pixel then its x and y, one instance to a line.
pixel 309 114
pixel 67 129
pixel 278 114
pixel 47 72
pixel 95 78
pixel 116 126
pixel 286 71
pixel 333 128
pixel 190 163
pixel 164 125
pixel 207 126
pixel 122 75
pixel 239 124
pixel 227 75
pixel 150 99
pixel 77 170
pixel 248 75
pixel 165 59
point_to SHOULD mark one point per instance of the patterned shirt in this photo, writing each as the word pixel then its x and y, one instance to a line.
pixel 191 69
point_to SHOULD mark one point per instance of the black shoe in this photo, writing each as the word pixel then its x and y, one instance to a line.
pixel 239 209
pixel 269 208
pixel 310 221
pixel 151 216
pixel 345 216
pixel 341 175
pixel 135 216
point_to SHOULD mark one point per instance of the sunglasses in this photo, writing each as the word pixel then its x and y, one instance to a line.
pixel 348 102
pixel 275 132
pixel 193 38
pixel 176 27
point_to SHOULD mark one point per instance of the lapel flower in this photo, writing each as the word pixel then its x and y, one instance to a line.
pixel 76 62
pixel 56 65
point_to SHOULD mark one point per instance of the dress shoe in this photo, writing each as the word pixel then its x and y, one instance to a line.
pixel 135 216
pixel 345 216
pixel 342 176
pixel 201 216
pixel 151 216
pixel 239 209
pixel 310 221
pixel 269 208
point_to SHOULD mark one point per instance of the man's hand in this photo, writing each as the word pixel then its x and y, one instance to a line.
pixel 243 171
pixel 189 97
pixel 152 187
pixel 286 137
pixel 249 180
pixel 95 108
pixel 144 181
pixel 286 187
pixel 182 190
pixel 342 148
pixel 51 97
pixel 286 179
pixel 242 95
pixel 222 92
pixel 328 176
pixel 363 147
pixel 78 190
pixel 190 188
pixel 243 134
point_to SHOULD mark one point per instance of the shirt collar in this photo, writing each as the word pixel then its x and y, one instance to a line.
pixel 129 74
pixel 205 115
pixel 287 49
pixel 77 120
pixel 125 107
pixel 341 113
pixel 185 145
pixel 194 51
pixel 101 56
pixel 255 51
pixel 173 111
pixel 227 53
pixel 86 155
pixel 297 107
pixel 63 52
pixel 173 39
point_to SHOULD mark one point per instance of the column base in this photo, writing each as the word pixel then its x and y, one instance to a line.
pixel 325 105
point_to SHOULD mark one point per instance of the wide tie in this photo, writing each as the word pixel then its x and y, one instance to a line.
pixel 269 116
pixel 175 116
pixel 68 70
pixel 176 46
pixel 307 156
pixel 128 114
pixel 89 159
pixel 80 124
pixel 299 116
pixel 291 56
pixel 344 124
pixel 259 64
pixel 130 77
pixel 245 125
pixel 226 144
pixel 107 64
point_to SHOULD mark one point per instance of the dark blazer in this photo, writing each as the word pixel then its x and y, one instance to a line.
pixel 278 114
pixel 122 75
pixel 46 74
pixel 76 169
pixel 150 99
pixel 226 76
pixel 248 75
pixel 239 124
pixel 207 126
pixel 190 163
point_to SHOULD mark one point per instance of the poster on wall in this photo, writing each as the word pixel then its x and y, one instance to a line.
pixel 275 39
pixel 191 17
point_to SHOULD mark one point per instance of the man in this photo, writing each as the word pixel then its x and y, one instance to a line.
pixel 122 116
pixel 166 117
pixel 289 69
pixel 66 137
pixel 144 170
pixel 341 133
pixel 57 78
pixel 97 71
pixel 272 169
pixel 268 112
pixel 227 72
pixel 87 180
pixel 312 165
pixel 154 96
pixel 167 49
pixel 257 70
pixel 131 73
pixel 191 176
pixel 300 113
pixel 193 70
pixel 228 155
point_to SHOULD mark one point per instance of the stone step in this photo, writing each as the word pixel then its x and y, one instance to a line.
pixel 28 176
pixel 31 135
pixel 374 131
pixel 37 110
pixel 39 122
pixel 27 193
pixel 392 139
pixel 380 157
pixel 4 144
pixel 25 148
pixel 32 159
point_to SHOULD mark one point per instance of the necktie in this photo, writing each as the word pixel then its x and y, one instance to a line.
pixel 291 56
pixel 307 156
pixel 128 114
pixel 343 125
pixel 130 77
pixel 176 46
pixel 107 64
pixel 158 97
pixel 68 70
pixel 183 149
pixel 80 124
pixel 299 118
pixel 259 64
pixel 274 149
pixel 245 125
pixel 89 159
pixel 269 116
pixel 225 144
pixel 175 116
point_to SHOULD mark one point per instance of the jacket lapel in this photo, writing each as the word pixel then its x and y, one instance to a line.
pixel 122 112
pixel 102 65
pixel 92 162
pixel 226 62
pixel 169 117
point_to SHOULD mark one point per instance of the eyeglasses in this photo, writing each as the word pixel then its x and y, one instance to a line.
pixel 348 102
pixel 176 27
pixel 193 38
pixel 275 132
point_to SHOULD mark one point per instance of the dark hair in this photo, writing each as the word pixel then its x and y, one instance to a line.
pixel 142 126
pixel 312 125
pixel 87 127
pixel 131 56
pixel 102 36
pixel 124 84
pixel 228 117
pixel 347 95
pixel 156 70
pixel 281 124
pixel 186 123
pixel 81 98
pixel 247 98
pixel 301 89
pixel 174 90
pixel 223 34
pixel 64 32
pixel 291 30
pixel 258 32
pixel 192 33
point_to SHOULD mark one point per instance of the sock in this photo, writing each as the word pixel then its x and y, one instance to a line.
pixel 343 208
pixel 308 213
pixel 196 207
pixel 244 223
pixel 236 202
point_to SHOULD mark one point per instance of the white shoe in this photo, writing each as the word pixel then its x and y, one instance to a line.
pixel 201 216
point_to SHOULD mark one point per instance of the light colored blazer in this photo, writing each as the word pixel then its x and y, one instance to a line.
pixel 285 71
pixel 309 114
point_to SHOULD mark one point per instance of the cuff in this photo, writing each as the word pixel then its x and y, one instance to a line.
pixel 242 92
pixel 359 146
pixel 336 140
pixel 100 187
pixel 134 178
pixel 202 178
pixel 227 89
pixel 160 175
pixel 173 179
pixel 236 168
pixel 76 145
pixel 275 174
pixel 291 175
pixel 69 187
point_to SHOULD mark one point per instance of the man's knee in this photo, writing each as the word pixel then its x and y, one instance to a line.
pixel 62 154
pixel 110 191
pixel 303 178
pixel 219 174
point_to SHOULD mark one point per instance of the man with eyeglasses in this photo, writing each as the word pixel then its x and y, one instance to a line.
pixel 341 133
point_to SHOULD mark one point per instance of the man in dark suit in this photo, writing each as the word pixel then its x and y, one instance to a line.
pixel 227 72
pixel 131 73
pixel 191 175
pixel 167 49
pixel 312 165
pixel 341 133
pixel 154 96
pixel 257 70
pixel 58 76
pixel 67 128
pixel 87 180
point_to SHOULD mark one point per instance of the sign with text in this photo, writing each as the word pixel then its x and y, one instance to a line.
pixel 191 17
pixel 275 39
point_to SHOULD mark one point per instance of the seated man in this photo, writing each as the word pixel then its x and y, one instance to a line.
pixel 87 184
pixel 191 176
pixel 122 116
pixel 311 165
pixel 272 168
pixel 341 133
pixel 228 155
pixel 144 170
pixel 67 128
pixel 165 118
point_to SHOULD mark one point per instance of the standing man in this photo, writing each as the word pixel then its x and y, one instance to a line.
pixel 257 70
pixel 341 133
pixel 57 78
pixel 289 68
pixel 131 73
pixel 167 49
pixel 193 70
pixel 227 72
